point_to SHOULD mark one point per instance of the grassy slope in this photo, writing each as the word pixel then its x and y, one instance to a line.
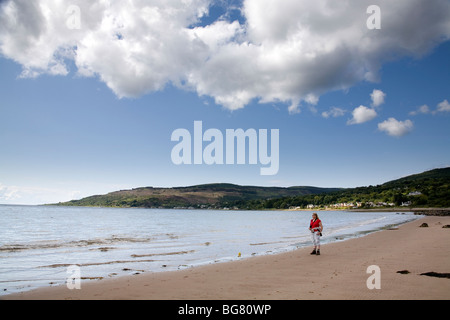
pixel 434 186
pixel 219 194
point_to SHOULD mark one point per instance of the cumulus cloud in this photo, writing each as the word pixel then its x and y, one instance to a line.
pixel 396 128
pixel 377 97
pixel 334 112
pixel 289 51
pixel 444 106
pixel 423 109
pixel 362 114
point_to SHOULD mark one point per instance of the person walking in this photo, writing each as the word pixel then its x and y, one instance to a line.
pixel 316 228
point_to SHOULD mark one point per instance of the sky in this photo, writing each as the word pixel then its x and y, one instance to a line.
pixel 91 91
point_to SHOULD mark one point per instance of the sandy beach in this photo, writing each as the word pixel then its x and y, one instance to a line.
pixel 340 272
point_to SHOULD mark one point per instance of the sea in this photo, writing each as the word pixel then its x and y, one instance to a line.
pixel 39 244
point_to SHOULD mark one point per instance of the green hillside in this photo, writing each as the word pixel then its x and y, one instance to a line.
pixel 427 189
pixel 218 195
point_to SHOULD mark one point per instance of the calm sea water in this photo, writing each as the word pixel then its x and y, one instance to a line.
pixel 38 243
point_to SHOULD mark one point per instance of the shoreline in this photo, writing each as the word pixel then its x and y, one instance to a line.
pixel 339 273
pixel 418 211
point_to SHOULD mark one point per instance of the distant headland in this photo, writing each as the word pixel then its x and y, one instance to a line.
pixel 418 192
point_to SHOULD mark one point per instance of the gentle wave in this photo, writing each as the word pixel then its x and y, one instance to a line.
pixel 161 254
pixel 65 265
pixel 55 244
pixel 266 243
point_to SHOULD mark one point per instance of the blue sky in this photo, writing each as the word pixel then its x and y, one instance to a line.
pixel 73 123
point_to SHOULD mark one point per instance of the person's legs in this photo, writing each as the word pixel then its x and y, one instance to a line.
pixel 314 241
pixel 317 244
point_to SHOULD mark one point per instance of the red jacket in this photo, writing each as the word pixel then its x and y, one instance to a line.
pixel 314 223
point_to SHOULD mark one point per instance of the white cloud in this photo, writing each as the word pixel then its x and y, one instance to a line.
pixel 424 109
pixel 334 112
pixel 34 195
pixel 377 97
pixel 444 106
pixel 289 51
pixel 396 128
pixel 362 114
pixel 7 193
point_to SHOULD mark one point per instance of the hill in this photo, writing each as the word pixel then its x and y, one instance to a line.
pixel 427 189
pixel 217 195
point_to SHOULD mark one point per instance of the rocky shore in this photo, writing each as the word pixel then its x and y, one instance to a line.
pixel 432 212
